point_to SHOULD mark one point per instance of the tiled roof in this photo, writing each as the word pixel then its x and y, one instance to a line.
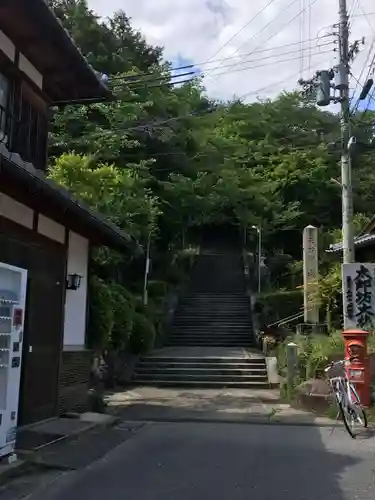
pixel 73 42
pixel 25 173
pixel 360 241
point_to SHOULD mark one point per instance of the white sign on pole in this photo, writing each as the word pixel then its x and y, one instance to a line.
pixel 358 292
pixel 310 274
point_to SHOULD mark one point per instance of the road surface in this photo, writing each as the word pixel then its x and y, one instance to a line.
pixel 218 461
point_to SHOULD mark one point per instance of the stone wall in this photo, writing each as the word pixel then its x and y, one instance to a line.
pixel 75 371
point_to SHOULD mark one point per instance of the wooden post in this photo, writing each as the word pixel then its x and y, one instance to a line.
pixel 292 367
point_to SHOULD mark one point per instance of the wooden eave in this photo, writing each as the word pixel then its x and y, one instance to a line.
pixel 41 38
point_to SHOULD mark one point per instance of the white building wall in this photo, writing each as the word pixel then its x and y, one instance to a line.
pixel 7 46
pixel 15 211
pixel 51 229
pixel 76 300
pixel 31 71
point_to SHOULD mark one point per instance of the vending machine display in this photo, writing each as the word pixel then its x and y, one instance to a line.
pixel 13 283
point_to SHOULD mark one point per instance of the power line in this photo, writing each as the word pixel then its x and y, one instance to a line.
pixel 310 28
pixel 293 75
pixel 160 85
pixel 366 16
pixel 159 78
pixel 296 51
pixel 262 29
pixel 361 74
pixel 282 27
pixel 199 64
pixel 140 87
pixel 246 68
pixel 240 30
pixel 301 35
pixel 146 127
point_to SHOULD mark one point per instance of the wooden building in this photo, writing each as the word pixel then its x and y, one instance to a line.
pixel 42 227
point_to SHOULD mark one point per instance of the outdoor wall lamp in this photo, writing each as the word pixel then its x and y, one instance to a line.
pixel 73 281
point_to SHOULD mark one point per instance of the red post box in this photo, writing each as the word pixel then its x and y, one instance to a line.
pixel 358 367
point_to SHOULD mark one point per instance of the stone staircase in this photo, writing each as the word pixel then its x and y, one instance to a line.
pixel 207 319
pixel 211 333
pixel 202 371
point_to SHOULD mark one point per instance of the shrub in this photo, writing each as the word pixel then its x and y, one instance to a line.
pixel 123 310
pixel 314 353
pixel 279 305
pixel 101 314
pixel 157 289
pixel 175 275
pixel 143 335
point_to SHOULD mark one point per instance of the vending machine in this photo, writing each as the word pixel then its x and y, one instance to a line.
pixel 13 283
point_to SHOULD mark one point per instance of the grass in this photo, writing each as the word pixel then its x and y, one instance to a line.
pixel 314 354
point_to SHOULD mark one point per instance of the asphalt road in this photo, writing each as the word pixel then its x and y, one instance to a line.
pixel 203 461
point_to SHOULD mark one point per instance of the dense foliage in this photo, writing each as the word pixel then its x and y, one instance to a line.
pixel 165 159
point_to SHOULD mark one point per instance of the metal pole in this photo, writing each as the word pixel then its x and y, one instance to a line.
pixel 259 257
pixel 346 177
pixel 147 269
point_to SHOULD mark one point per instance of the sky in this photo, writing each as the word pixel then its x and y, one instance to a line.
pixel 261 40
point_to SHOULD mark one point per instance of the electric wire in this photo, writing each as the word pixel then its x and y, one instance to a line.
pixel 246 68
pixel 148 126
pixel 262 29
pixel 240 30
pixel 309 33
pixel 301 34
pixel 124 79
pixel 365 65
pixel 146 86
pixel 277 31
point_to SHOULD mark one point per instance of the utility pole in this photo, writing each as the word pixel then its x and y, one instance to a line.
pixel 259 273
pixel 342 85
pixel 321 83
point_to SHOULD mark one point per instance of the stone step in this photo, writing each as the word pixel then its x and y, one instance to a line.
pixel 212 325
pixel 197 297
pixel 217 306
pixel 251 360
pixel 210 337
pixel 201 377
pixel 195 343
pixel 199 384
pixel 208 311
pixel 212 331
pixel 153 364
pixel 205 335
pixel 229 296
pixel 188 371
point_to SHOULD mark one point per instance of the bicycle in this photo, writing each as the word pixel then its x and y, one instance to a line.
pixel 348 401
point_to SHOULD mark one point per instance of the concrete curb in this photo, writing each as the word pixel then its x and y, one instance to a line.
pixel 27 463
pixel 110 423
pixel 14 470
pixel 256 420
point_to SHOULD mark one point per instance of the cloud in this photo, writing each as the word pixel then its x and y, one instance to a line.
pixel 195 30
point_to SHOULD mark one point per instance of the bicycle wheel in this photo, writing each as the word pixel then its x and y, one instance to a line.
pixel 346 417
pixel 357 407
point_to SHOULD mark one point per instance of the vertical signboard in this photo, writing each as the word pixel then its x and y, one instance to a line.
pixel 358 293
pixel 310 274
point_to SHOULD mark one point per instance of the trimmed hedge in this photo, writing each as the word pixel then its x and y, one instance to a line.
pixel 142 338
pixel 278 305
pixel 157 289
